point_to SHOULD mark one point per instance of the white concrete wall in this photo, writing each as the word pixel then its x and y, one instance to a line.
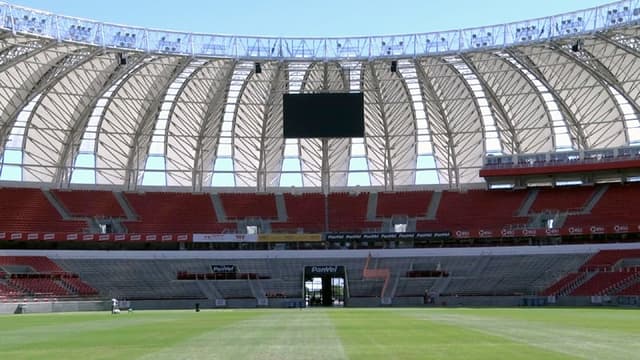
pixel 321 254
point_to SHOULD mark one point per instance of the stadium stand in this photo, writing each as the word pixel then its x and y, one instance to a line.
pixel 607 259
pixel 8 292
pixel 410 203
pixel 578 211
pixel 39 286
pixel 603 282
pixel 348 212
pixel 25 209
pixel 604 273
pixel 303 212
pixel 562 284
pixel 633 290
pixel 609 209
pixel 471 210
pixel 281 278
pixel 573 198
pixel 90 203
pixel 79 287
pixel 39 276
pixel 173 213
pixel 39 264
pixel 241 205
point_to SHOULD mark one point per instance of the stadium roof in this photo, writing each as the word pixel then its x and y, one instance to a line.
pixel 90 103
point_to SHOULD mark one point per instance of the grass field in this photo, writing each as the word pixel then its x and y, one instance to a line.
pixel 326 334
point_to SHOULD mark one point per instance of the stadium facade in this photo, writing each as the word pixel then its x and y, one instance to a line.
pixel 85 102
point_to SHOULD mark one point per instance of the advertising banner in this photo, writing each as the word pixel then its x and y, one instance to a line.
pixel 387 236
pixel 322 270
pixel 289 237
pixel 224 238
pixel 224 268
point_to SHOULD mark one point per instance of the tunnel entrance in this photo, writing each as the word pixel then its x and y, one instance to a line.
pixel 324 285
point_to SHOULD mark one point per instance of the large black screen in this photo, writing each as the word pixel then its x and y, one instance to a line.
pixel 325 115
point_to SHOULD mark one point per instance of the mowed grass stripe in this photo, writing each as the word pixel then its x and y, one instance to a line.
pixel 124 336
pixel 587 334
pixel 276 335
pixel 387 334
pixel 367 334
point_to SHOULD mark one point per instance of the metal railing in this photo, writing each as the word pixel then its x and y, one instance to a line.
pixel 20 19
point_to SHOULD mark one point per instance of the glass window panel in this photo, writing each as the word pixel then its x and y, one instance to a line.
pixel 11 173
pixel 154 178
pixel 291 164
pixel 563 141
pixel 224 150
pixel 289 180
pixel 83 176
pixel 358 163
pixel 427 177
pixel 156 149
pixel 291 150
pixel 87 146
pixel 493 145
pixel 634 135
pixel 358 179
pixel 424 148
pixel 12 156
pixel 85 161
pixel 155 163
pixel 223 179
pixel 15 141
pixel 223 164
pixel 425 162
pixel 358 150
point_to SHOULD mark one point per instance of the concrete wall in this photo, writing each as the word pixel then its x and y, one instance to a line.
pixel 56 306
pixel 408 301
pixel 362 302
pixel 321 254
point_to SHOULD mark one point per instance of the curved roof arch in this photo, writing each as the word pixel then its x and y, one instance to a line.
pixel 83 110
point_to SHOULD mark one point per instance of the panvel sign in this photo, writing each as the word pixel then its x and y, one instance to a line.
pixel 323 270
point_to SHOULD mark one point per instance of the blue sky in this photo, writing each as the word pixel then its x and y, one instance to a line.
pixel 309 18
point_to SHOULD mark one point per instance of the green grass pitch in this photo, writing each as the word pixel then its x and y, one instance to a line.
pixel 542 333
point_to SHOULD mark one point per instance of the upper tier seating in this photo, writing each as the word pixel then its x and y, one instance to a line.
pixel 475 209
pixel 613 207
pixel 303 211
pixel 173 213
pixel 91 203
pixel 573 198
pixel 348 212
pixel 238 206
pixel 29 210
pixel 410 203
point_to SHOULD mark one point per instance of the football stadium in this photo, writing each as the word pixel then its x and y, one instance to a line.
pixel 461 194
